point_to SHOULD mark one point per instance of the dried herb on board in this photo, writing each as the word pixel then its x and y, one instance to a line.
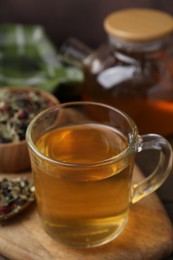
pixel 17 109
pixel 15 195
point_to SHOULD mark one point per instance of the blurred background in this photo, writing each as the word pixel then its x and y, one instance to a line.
pixel 78 18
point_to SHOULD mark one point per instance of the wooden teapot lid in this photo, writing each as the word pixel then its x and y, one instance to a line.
pixel 138 24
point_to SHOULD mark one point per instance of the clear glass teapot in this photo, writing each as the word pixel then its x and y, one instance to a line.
pixel 134 70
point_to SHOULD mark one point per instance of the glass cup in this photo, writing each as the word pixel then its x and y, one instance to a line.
pixel 82 158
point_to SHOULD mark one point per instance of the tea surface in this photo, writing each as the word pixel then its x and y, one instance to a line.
pixel 88 201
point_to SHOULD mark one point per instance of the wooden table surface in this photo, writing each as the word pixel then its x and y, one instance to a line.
pixel 165 192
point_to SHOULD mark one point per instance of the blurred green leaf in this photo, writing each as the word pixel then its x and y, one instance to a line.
pixel 28 58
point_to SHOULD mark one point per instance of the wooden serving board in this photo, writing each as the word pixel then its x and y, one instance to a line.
pixel 148 235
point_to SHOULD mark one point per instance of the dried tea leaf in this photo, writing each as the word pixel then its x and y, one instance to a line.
pixel 17 109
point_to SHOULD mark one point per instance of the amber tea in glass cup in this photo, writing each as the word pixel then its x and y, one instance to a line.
pixel 82 157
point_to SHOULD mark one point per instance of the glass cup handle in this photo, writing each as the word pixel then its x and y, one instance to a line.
pixel 162 170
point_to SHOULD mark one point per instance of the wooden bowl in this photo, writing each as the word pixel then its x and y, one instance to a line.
pixel 14 156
